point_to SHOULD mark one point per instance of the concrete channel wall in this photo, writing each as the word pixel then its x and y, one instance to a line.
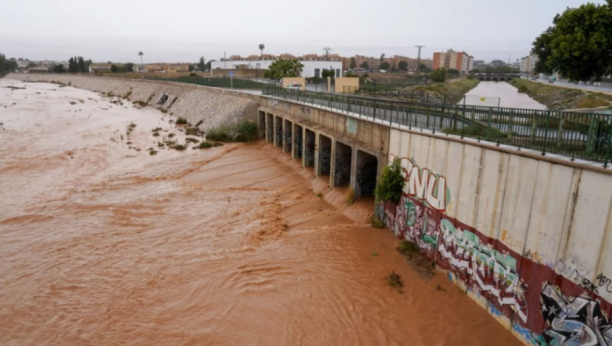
pixel 210 107
pixel 348 150
pixel 526 236
pixel 529 239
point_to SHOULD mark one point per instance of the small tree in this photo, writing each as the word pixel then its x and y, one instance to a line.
pixel 191 67
pixel 423 68
pixel 364 65
pixel 353 63
pixel 58 68
pixel 385 66
pixel 402 65
pixel 328 73
pixel 114 68
pixel 391 183
pixel 82 66
pixel 439 75
pixel 202 64
pixel 453 72
pixel 72 66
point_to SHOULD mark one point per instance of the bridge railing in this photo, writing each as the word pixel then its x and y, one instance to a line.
pixel 578 135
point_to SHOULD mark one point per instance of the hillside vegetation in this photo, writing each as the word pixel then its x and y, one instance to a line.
pixel 559 98
pixel 453 89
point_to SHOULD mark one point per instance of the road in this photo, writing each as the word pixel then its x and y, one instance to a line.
pixel 578 86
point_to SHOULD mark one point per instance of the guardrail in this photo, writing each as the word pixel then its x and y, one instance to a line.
pixel 578 135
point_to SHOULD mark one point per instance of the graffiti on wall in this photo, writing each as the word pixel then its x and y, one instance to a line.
pixel 424 185
pixel 574 321
pixel 515 285
pixel 492 274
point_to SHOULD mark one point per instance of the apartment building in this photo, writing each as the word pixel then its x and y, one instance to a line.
pixel 528 64
pixel 460 61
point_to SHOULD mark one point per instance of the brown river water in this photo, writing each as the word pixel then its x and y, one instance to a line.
pixel 102 244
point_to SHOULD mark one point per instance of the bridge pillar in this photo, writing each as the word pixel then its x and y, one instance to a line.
pixel 261 120
pixel 269 128
pixel 278 131
pixel 288 136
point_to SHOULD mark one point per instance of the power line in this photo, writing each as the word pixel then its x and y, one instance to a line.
pixel 327 49
pixel 419 59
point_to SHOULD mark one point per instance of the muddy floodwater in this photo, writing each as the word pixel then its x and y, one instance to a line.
pixel 104 243
pixel 502 94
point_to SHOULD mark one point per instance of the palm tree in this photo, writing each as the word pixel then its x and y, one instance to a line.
pixel 261 48
pixel 382 57
pixel 297 68
pixel 141 64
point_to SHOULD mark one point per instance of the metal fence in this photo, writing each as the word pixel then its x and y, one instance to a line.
pixel 578 135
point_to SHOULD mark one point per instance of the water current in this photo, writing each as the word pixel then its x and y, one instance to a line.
pixel 502 94
pixel 102 243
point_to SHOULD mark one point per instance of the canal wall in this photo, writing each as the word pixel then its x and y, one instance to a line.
pixel 209 107
pixel 525 235
pixel 346 151
pixel 527 238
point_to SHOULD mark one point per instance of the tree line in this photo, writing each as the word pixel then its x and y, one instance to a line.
pixel 578 44
pixel 7 65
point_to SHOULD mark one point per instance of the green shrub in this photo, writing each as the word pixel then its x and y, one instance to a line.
pixel 376 223
pixel 395 280
pixel 181 121
pixel 522 89
pixel 405 247
pixel 205 145
pixel 244 131
pixel 193 131
pixel 390 184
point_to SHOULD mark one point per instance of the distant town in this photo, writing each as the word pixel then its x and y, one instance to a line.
pixel 314 64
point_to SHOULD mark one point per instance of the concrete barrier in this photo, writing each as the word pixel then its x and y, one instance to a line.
pixel 208 106
pixel 529 240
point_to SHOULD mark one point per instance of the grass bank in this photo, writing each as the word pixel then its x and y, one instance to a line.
pixel 453 89
pixel 559 98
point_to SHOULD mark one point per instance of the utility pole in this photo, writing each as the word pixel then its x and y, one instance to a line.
pixel 327 49
pixel 418 70
pixel 224 67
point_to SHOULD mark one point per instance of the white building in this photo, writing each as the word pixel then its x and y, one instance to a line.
pixel 311 68
pixel 528 64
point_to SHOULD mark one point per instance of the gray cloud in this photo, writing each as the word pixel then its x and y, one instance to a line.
pixel 183 30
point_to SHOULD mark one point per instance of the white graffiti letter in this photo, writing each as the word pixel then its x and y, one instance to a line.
pixel 418 183
pixel 437 202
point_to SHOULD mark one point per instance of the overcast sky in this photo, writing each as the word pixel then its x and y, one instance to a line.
pixel 181 30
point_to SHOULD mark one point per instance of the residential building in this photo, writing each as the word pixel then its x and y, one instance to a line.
pixel 96 67
pixel 312 68
pixel 460 61
pixel 427 62
pixel 528 64
pixel 373 63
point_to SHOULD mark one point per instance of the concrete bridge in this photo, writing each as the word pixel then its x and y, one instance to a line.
pixel 518 232
pixel 496 77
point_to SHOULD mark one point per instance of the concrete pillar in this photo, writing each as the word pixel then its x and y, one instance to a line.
pixel 353 183
pixel 317 168
pixel 283 137
pixel 303 147
pixel 332 162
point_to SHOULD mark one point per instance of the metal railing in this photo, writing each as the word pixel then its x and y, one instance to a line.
pixel 578 135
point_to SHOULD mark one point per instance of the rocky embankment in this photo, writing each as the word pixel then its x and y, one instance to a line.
pixel 202 106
